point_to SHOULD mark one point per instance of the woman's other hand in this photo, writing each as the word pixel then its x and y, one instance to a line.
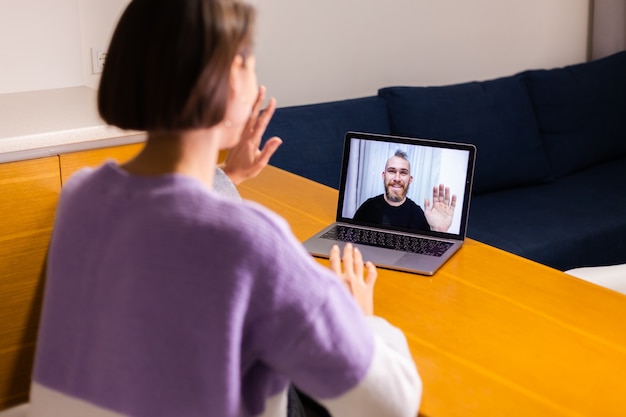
pixel 246 160
pixel 358 277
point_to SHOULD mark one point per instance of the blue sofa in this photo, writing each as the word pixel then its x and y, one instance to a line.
pixel 551 153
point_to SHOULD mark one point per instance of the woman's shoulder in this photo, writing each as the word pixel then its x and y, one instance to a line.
pixel 207 213
pixel 88 177
pixel 249 220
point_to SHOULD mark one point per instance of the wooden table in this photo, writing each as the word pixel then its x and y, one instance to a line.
pixel 492 334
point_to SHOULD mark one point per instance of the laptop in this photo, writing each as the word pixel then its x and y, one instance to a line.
pixel 385 181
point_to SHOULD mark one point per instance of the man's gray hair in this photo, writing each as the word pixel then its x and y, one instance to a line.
pixel 401 154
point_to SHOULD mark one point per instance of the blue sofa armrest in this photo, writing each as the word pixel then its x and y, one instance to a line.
pixel 313 135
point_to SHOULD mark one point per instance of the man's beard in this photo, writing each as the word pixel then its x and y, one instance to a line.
pixel 396 198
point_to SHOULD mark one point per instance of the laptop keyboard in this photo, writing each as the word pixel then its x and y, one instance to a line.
pixel 387 240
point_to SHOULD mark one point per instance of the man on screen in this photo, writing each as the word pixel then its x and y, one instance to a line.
pixel 396 209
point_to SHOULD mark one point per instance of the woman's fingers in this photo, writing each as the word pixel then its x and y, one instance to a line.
pixel 358 264
pixel 348 259
pixel 335 260
pixel 372 274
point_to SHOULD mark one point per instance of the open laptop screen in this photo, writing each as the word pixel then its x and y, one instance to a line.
pixel 378 168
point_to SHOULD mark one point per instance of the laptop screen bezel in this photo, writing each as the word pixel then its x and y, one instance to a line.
pixel 469 175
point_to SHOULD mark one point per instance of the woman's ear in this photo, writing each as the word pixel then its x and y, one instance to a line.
pixel 242 90
pixel 236 76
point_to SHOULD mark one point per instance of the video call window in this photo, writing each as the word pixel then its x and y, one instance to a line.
pixel 430 166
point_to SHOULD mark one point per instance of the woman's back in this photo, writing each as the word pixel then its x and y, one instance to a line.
pixel 156 296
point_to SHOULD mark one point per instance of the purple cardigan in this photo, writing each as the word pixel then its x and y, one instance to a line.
pixel 164 299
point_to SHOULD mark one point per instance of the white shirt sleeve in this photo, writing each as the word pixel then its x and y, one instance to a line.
pixel 391 386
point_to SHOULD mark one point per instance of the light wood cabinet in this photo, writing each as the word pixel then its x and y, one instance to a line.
pixel 29 192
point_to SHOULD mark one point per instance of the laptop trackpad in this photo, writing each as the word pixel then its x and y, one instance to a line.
pixel 423 264
pixel 380 256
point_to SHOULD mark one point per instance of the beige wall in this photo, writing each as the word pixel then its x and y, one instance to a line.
pixel 312 51
pixel 39 44
pixel 47 43
pixel 608 30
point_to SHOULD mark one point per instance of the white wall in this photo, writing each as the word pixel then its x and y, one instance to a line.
pixel 312 51
pixel 320 50
pixel 40 45
pixel 45 44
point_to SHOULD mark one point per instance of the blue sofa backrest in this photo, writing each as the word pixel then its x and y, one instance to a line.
pixel 581 112
pixel 496 116
pixel 528 128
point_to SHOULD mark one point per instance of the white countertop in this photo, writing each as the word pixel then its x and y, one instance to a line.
pixel 46 122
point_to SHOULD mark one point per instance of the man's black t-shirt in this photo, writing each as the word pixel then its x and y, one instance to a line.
pixel 377 210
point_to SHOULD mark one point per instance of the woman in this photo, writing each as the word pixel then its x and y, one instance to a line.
pixel 165 299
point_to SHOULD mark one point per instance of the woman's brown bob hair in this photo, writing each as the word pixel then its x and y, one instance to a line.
pixel 169 61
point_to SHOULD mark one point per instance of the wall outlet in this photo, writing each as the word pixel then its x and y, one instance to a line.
pixel 98 59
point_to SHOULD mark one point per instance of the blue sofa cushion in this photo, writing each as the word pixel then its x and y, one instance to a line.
pixel 563 224
pixel 494 115
pixel 313 135
pixel 581 111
